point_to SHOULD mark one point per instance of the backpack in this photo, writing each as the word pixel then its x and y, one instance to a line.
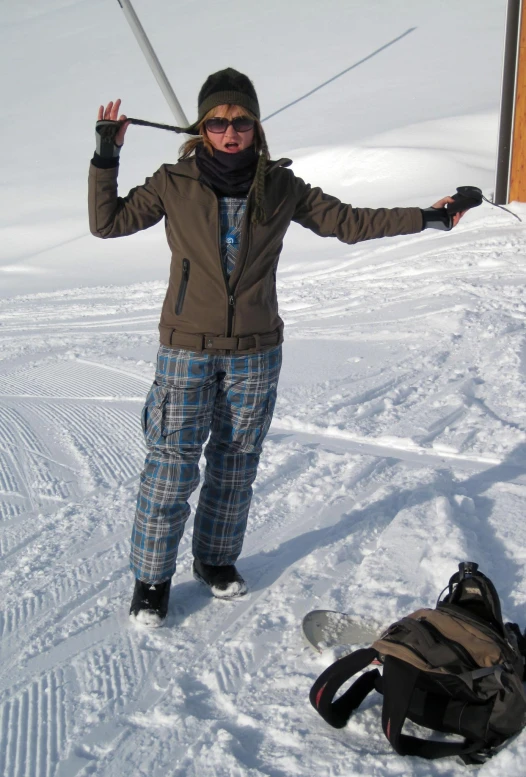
pixel 456 669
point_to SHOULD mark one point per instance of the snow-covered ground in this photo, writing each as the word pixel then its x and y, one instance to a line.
pixel 398 446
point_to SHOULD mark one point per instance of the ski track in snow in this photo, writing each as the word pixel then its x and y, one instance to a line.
pixel 400 455
pixel 398 446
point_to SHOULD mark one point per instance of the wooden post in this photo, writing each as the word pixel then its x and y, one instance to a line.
pixel 507 103
pixel 518 152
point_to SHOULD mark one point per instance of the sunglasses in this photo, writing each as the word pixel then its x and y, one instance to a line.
pixel 239 123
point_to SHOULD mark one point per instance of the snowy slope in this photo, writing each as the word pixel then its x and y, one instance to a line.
pixel 398 446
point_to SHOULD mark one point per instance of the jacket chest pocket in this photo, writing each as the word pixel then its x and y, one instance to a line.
pixel 185 275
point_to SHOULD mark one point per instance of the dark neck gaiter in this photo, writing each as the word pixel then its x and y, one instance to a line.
pixel 230 175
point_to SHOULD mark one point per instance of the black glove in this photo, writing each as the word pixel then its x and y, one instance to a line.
pixel 105 132
pixel 437 218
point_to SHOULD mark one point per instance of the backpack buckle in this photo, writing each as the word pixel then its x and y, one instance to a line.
pixel 467 568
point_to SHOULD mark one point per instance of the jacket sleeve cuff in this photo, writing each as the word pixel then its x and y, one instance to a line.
pixel 104 163
pixel 437 218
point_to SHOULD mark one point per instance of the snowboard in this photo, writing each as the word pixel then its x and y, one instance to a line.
pixel 326 629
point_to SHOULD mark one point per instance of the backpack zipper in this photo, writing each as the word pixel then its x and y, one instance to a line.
pixel 411 650
pixel 456 647
pixel 459 613
pixel 182 287
pixel 437 636
pixel 394 631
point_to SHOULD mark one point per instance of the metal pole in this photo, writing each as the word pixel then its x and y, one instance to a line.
pixel 507 106
pixel 517 184
pixel 155 65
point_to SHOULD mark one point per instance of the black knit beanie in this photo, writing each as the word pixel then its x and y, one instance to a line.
pixel 227 87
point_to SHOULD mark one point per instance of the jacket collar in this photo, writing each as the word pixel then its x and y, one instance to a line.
pixel 188 168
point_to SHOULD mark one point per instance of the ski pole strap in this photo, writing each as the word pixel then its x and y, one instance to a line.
pixel 323 691
pixel 398 683
pixel 106 150
pixel 106 130
pixel 143 123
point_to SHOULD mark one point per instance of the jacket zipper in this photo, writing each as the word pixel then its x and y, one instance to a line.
pixel 231 312
pixel 231 300
pixel 245 237
pixel 244 230
pixel 230 296
pixel 182 287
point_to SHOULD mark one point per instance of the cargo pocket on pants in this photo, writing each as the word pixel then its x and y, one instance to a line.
pixel 152 414
pixel 261 433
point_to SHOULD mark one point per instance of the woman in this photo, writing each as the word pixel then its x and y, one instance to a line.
pixel 227 208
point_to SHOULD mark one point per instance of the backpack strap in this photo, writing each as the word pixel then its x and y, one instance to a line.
pixel 398 682
pixel 326 686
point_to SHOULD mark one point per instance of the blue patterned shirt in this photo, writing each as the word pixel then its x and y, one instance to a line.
pixel 231 212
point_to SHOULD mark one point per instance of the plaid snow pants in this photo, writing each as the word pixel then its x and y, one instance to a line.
pixel 194 395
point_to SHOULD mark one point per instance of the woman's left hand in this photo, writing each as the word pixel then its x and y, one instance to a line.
pixel 111 112
pixel 443 202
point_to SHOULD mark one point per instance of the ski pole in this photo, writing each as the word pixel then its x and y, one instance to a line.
pixel 153 62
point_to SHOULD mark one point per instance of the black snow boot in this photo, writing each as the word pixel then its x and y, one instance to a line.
pixel 224 582
pixel 150 603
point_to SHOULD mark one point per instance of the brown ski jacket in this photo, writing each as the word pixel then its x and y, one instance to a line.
pixel 203 309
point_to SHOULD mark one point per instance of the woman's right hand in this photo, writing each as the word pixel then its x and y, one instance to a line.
pixel 111 113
